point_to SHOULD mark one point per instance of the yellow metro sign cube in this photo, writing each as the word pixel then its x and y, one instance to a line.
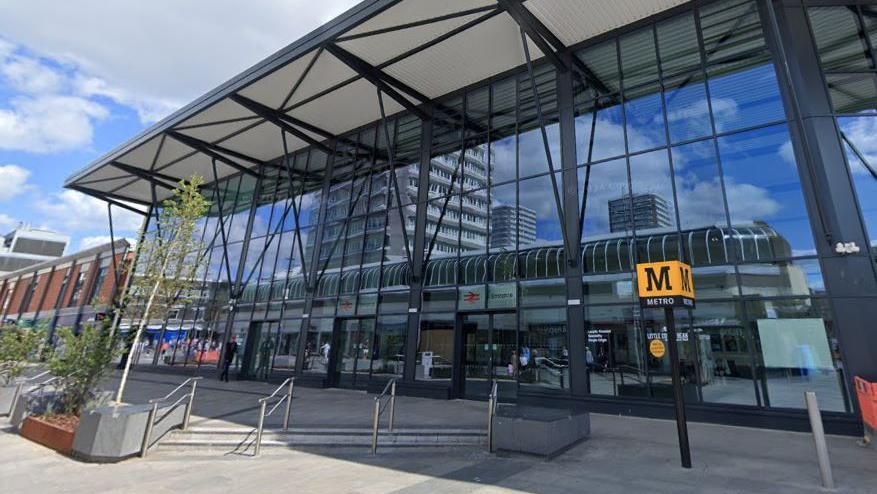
pixel 665 284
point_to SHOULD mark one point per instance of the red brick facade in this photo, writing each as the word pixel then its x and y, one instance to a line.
pixel 15 286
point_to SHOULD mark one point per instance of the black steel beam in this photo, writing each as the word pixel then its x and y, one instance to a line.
pixel 274 116
pixel 534 30
pixel 409 25
pixel 215 152
pixel 157 178
pixel 550 44
pixel 381 80
pixel 108 197
pixel 278 117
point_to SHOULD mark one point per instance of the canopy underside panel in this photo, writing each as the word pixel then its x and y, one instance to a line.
pixel 326 84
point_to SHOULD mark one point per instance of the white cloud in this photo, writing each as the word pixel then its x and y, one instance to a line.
pixel 13 181
pixel 97 240
pixel 43 116
pixel 47 124
pixel 29 75
pixel 149 110
pixel 7 221
pixel 861 132
pixel 156 56
pixel 71 211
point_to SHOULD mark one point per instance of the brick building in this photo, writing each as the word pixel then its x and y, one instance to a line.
pixel 66 291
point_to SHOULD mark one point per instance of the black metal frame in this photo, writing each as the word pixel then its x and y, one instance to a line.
pixel 828 221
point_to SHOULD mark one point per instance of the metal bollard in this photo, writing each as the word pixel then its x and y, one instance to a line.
pixel 375 426
pixel 288 406
pixel 490 401
pixel 392 406
pixel 188 413
pixel 819 439
pixel 147 435
pixel 258 447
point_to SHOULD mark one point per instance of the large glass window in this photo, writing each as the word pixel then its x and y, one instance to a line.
pixel 845 37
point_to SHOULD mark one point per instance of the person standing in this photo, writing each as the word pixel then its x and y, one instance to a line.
pixel 231 349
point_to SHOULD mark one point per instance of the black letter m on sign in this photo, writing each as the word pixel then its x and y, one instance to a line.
pixel 660 282
pixel 686 279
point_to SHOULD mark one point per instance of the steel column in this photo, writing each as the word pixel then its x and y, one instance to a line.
pixel 576 330
pixel 415 295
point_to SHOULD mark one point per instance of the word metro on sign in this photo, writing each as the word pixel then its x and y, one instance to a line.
pixel 665 284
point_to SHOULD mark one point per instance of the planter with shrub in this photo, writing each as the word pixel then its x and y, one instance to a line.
pixel 78 364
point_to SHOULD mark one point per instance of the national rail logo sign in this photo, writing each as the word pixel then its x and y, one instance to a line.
pixel 665 284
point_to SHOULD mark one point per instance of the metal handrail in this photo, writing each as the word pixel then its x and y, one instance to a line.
pixel 19 387
pixel 492 400
pixel 153 411
pixel 379 409
pixel 287 398
pixel 167 396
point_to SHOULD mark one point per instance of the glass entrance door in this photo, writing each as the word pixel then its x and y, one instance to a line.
pixel 259 349
pixel 352 360
pixel 489 343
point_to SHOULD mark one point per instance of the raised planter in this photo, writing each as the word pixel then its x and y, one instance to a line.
pixel 113 433
pixel 55 433
pixel 545 432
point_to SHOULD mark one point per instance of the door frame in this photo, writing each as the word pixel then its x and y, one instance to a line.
pixel 459 382
pixel 251 351
pixel 333 377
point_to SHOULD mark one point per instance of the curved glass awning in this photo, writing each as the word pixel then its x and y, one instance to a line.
pixel 713 246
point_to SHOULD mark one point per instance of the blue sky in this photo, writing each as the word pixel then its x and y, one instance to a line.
pixel 79 78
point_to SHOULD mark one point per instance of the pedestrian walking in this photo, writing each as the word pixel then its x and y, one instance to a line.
pixel 231 349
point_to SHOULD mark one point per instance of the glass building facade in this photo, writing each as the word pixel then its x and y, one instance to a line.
pixel 498 240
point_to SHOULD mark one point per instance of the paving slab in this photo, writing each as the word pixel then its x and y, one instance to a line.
pixel 623 455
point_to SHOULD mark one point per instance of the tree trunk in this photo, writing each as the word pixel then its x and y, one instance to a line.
pixel 144 320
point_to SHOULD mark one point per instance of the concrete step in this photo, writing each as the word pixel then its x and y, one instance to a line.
pixel 234 439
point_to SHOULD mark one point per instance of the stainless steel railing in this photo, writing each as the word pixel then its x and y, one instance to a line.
pixel 380 405
pixel 286 398
pixel 151 421
pixel 19 388
pixel 492 400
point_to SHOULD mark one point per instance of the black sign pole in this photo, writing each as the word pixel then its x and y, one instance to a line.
pixel 681 422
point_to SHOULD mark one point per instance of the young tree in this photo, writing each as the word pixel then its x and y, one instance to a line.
pixel 169 260
pixel 18 346
pixel 79 362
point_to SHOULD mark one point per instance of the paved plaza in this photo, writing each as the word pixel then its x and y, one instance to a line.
pixel 624 455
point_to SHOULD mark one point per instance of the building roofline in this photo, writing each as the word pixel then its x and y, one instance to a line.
pixel 119 244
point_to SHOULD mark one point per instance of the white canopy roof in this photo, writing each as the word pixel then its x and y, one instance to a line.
pixel 420 48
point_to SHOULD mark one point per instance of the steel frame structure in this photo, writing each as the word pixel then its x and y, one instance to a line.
pixel 783 23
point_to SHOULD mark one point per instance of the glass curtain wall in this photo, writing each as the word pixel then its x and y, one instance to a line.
pixel 686 154
pixel 683 151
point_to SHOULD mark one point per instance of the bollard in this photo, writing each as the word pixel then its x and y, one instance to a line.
pixel 392 405
pixel 147 435
pixel 375 426
pixel 490 402
pixel 288 406
pixel 819 439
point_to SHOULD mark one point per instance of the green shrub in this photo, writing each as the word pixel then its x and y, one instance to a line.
pixel 18 346
pixel 80 362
